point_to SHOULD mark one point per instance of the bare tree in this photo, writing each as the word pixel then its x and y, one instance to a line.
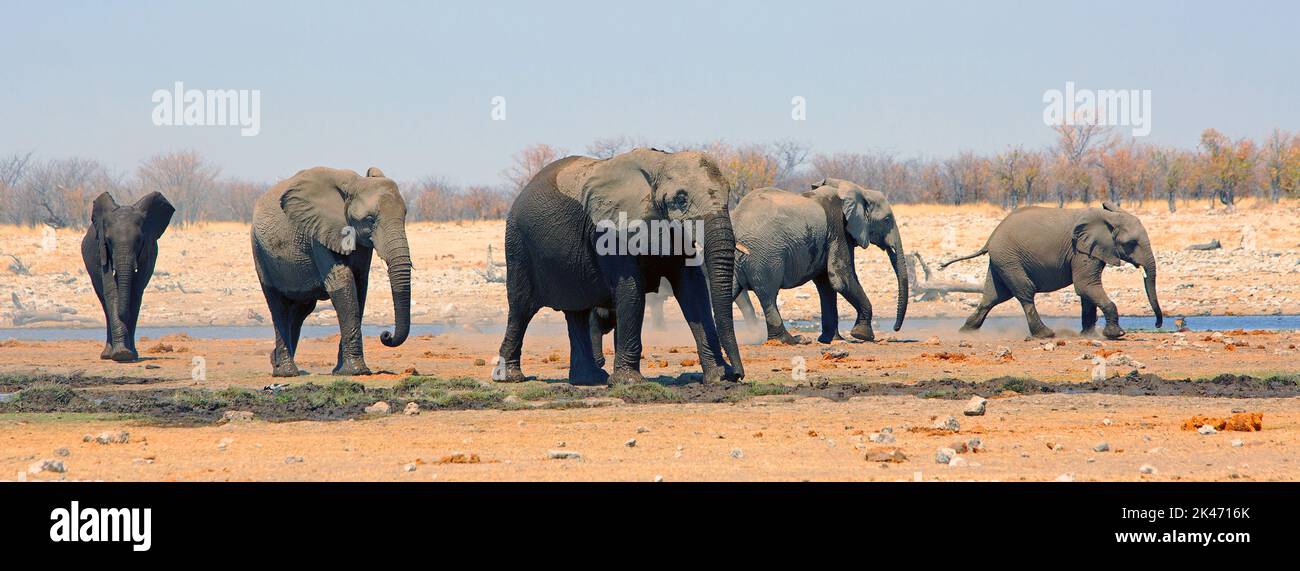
pixel 1281 161
pixel 188 181
pixel 527 163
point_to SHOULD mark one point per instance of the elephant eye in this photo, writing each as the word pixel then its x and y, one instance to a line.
pixel 679 200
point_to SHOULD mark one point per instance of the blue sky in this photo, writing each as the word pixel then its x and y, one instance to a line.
pixel 408 86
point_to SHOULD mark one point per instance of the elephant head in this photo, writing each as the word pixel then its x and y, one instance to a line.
pixel 343 211
pixel 121 234
pixel 686 187
pixel 1114 236
pixel 868 220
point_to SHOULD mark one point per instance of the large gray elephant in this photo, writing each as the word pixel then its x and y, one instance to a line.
pixel 558 237
pixel 786 239
pixel 119 251
pixel 1037 250
pixel 313 235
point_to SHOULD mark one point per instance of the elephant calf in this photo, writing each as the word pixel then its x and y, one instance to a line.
pixel 119 251
pixel 313 237
pixel 1039 249
pixel 785 239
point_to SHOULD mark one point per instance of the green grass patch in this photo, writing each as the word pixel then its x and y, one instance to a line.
pixel 646 392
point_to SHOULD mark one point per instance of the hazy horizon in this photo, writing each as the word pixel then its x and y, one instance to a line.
pixel 409 87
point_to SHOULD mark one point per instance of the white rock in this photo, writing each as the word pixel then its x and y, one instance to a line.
pixel 380 407
pixel 412 409
pixel 1147 469
pixel 1206 430
pixel 944 455
pixel 563 455
pixel 1237 443
pixel 949 424
pixel 975 406
pixel 1101 447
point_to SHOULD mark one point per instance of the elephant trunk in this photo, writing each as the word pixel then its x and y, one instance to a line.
pixel 898 259
pixel 1149 268
pixel 396 253
pixel 720 257
pixel 124 279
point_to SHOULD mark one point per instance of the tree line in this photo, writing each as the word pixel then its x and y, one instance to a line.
pixel 1085 163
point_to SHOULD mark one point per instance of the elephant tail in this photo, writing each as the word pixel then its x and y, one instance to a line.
pixel 982 251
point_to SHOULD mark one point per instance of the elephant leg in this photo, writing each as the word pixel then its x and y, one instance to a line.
pixel 746 308
pixel 776 330
pixel 512 345
pixel 830 310
pixel 582 367
pixel 602 322
pixel 95 281
pixel 995 293
pixel 1089 315
pixel 282 364
pixel 144 271
pixel 629 312
pixel 1036 326
pixel 342 290
pixel 852 291
pixel 692 293
pixel 298 313
pixel 1095 294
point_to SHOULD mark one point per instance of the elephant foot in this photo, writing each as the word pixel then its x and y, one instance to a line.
pixel 626 377
pixel 123 355
pixel 351 367
pixel 285 369
pixel 599 360
pixel 1113 332
pixel 863 331
pixel 785 338
pixel 825 339
pixel 107 353
pixel 968 329
pixel 588 376
pixel 1044 333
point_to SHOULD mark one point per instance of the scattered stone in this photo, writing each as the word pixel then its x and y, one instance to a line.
pixel 113 437
pixel 1105 422
pixel 563 455
pixel 957 462
pixel 950 424
pixel 62 452
pixel 480 362
pixel 885 436
pixel 631 443
pixel 1055 446
pixel 224 444
pixel 1122 360
pixel 236 416
pixel 975 406
pixel 1237 443
pixel 409 467
pixel 1147 469
pixel 88 438
pixel 1004 353
pixel 1101 447
pixel 380 407
pixel 412 409
pixel 944 455
pixel 642 430
pixel 293 459
pixel 1065 478
pixel 965 344
pixel 47 465
pixel 659 478
pixel 737 453
pixel 975 444
pixel 143 461
pixel 459 458
pixel 834 353
pixel 892 455
pixel 1206 430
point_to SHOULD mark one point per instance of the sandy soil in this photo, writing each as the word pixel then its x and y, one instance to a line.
pixel 207 279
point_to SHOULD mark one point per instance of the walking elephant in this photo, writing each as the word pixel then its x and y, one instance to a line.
pixel 1036 250
pixel 313 235
pixel 119 250
pixel 590 234
pixel 786 239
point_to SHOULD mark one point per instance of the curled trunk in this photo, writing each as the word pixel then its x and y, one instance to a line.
pixel 719 256
pixel 396 253
pixel 898 259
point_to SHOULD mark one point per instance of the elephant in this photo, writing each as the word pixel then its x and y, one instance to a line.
pixel 119 250
pixel 564 251
pixel 1035 250
pixel 785 239
pixel 313 235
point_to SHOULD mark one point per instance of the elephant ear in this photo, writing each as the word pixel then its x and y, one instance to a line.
pixel 157 214
pixel 856 216
pixel 315 204
pixel 619 185
pixel 818 184
pixel 373 172
pixel 1094 237
pixel 104 204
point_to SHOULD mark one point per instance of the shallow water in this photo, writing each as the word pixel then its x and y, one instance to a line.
pixel 913 326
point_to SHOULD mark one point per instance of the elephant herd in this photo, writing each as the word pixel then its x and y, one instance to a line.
pixel 313 236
